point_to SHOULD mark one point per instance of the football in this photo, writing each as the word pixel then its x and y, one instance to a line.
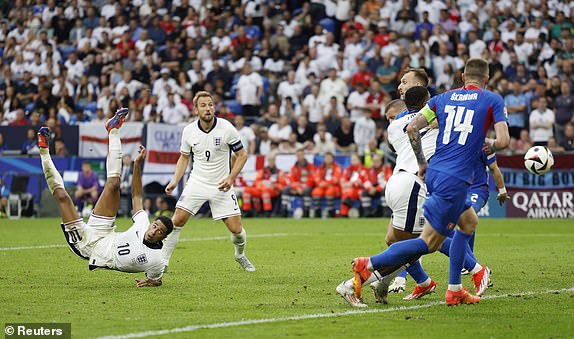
pixel 538 160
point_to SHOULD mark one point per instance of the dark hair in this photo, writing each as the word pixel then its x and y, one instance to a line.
pixel 167 223
pixel 416 97
pixel 86 162
pixel 420 74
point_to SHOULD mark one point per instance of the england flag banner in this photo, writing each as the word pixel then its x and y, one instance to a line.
pixel 163 145
pixel 94 139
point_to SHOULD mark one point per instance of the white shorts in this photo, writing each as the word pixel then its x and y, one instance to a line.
pixel 90 240
pixel 405 194
pixel 196 193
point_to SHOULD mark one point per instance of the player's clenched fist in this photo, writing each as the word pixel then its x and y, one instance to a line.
pixel 170 187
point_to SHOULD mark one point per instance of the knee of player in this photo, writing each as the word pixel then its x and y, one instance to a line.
pixel 113 184
pixel 60 195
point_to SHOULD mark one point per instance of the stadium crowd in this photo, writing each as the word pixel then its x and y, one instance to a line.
pixel 291 75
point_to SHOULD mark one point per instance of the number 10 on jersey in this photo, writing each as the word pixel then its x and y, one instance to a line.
pixel 454 122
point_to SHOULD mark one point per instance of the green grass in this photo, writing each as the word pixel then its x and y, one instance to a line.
pixel 297 272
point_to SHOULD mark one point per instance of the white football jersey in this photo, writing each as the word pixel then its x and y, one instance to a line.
pixel 210 150
pixel 126 251
pixel 399 139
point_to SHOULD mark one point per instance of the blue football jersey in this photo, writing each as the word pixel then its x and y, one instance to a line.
pixel 464 116
pixel 480 174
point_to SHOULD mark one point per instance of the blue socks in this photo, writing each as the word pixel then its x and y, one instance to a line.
pixel 469 258
pixel 400 253
pixel 403 274
pixel 416 271
pixel 471 242
pixel 457 254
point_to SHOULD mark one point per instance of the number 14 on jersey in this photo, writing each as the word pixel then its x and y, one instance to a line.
pixel 454 122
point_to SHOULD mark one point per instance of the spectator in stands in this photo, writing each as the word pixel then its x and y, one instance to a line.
pixel 387 74
pixel 289 146
pixel 333 87
pixel 333 112
pixel 304 132
pixel 364 131
pixel 554 147
pixel 27 91
pixel 374 186
pixel 174 112
pixel 299 184
pixel 323 141
pixel 87 188
pixel 35 121
pixel 541 123
pixel 246 133
pixel 344 137
pixel 60 149
pixel 249 91
pixel 29 146
pixel 263 141
pixel 524 143
pixel 280 130
pixel 312 107
pixel 357 102
pixel 376 99
pixel 516 106
pixel 568 141
pixel 327 179
pixel 269 183
pixel 290 88
pixel 564 109
pixel 162 207
pixel 352 185
pixel 147 206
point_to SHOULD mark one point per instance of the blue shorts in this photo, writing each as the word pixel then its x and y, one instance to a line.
pixel 477 198
pixel 447 200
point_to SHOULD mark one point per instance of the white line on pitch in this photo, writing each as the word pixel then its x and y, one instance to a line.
pixel 269 235
pixel 311 316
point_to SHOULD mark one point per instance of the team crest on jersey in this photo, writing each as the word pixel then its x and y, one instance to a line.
pixel 217 141
pixel 141 259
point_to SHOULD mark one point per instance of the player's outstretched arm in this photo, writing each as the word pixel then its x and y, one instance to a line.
pixel 240 160
pixel 180 168
pixel 137 190
pixel 499 181
pixel 413 130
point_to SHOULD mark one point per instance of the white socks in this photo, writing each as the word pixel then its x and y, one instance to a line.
pixel 455 287
pixel 425 283
pixel 169 244
pixel 476 269
pixel 53 177
pixel 239 241
pixel 114 159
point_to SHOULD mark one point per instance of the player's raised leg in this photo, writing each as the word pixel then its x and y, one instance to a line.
pixel 54 179
pixel 109 202
pixel 239 239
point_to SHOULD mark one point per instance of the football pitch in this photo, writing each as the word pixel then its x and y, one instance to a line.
pixel 292 293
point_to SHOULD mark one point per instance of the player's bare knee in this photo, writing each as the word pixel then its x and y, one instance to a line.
pixel 60 195
pixel 113 184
